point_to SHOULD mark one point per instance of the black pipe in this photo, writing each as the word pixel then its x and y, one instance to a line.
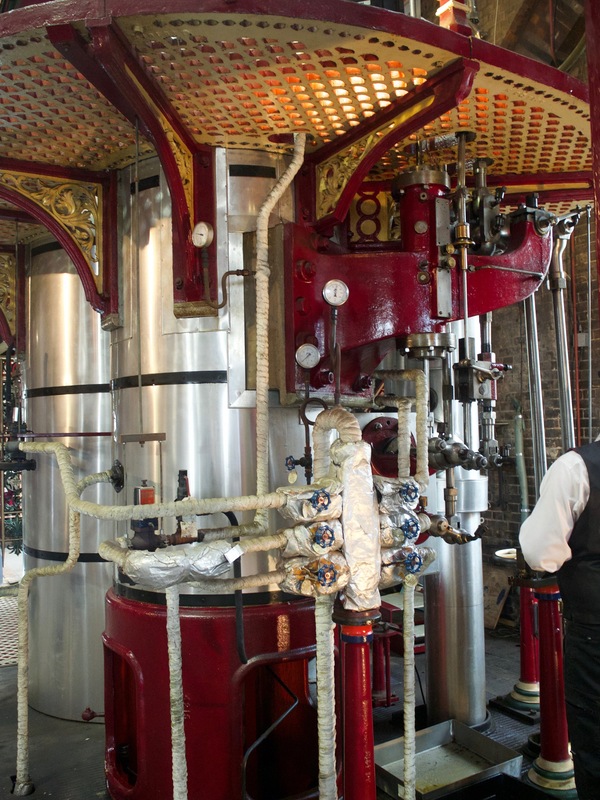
pixel 239 598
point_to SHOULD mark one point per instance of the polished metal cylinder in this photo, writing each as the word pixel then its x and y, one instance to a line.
pixel 454 602
pixel 67 391
pixel 182 388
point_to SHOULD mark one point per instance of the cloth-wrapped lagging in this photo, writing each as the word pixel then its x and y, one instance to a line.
pixel 316 539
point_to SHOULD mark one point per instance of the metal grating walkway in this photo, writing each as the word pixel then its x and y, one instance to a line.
pixel 8 631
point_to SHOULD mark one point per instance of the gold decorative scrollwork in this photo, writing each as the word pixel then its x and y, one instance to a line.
pixel 334 174
pixel 8 287
pixel 74 205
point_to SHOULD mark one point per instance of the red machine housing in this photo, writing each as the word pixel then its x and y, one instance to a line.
pixel 229 705
pixel 396 292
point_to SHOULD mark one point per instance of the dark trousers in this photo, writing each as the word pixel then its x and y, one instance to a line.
pixel 582 694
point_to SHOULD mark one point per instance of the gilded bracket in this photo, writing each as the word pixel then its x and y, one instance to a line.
pixel 8 293
pixel 75 206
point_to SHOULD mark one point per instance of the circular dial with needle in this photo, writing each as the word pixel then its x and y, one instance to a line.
pixel 335 292
pixel 307 356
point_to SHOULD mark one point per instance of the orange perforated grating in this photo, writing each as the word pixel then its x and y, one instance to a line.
pixel 50 114
pixel 235 80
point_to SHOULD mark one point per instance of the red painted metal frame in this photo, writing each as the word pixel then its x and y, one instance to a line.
pixel 113 52
pixel 386 300
pixel 106 301
pixel 449 87
pixel 102 63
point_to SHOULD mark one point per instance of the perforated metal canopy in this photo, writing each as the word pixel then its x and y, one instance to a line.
pixel 238 74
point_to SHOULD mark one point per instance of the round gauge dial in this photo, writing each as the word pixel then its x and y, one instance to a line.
pixel 307 356
pixel 335 292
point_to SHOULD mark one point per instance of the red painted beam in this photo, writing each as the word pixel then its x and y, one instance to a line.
pixel 446 89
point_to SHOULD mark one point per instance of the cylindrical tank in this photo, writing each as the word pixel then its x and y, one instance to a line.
pixel 67 391
pixel 184 400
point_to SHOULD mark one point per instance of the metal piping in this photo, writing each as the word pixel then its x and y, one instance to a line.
pixel 23 784
pixel 538 433
pixel 263 272
pixel 558 282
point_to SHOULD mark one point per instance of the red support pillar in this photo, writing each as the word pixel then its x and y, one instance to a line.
pixel 526 691
pixel 553 768
pixel 356 635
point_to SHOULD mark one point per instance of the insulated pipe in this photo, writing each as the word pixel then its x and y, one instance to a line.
pixel 263 272
pixel 361 549
pixel 23 783
pixel 177 707
pixel 326 718
pixel 408 625
pixel 333 419
pixel 349 431
pixel 422 402
pixel 186 507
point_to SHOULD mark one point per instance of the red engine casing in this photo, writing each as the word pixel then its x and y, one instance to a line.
pixel 228 704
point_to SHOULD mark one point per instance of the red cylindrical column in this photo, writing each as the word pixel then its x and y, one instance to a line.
pixel 530 670
pixel 357 713
pixel 526 691
pixel 553 769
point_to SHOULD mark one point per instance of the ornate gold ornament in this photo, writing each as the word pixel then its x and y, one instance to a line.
pixel 74 205
pixel 8 288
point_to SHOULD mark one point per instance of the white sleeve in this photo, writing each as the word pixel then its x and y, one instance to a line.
pixel 564 493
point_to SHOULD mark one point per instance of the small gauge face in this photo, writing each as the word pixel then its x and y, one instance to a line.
pixel 307 356
pixel 335 292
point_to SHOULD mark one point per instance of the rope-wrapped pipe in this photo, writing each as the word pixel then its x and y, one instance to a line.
pixel 408 624
pixel 326 718
pixel 186 507
pixel 422 403
pixel 333 419
pixel 263 272
pixel 23 783
pixel 177 710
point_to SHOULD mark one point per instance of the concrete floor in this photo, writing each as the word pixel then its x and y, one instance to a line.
pixel 66 758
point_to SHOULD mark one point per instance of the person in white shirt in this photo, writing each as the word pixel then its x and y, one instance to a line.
pixel 562 536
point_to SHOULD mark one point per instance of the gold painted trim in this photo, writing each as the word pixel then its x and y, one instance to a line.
pixel 75 205
pixel 334 173
pixel 8 289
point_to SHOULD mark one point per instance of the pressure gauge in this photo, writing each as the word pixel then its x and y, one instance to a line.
pixel 307 356
pixel 335 292
pixel 202 234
